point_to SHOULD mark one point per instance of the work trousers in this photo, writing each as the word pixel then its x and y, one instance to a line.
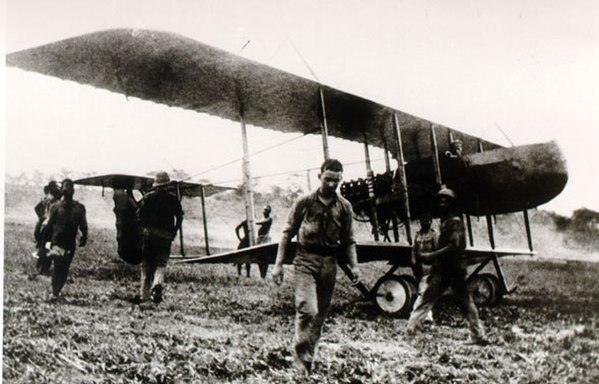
pixel 62 264
pixel 431 289
pixel 155 254
pixel 314 284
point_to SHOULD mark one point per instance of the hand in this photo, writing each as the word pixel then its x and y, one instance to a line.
pixel 355 271
pixel 277 274
pixel 82 241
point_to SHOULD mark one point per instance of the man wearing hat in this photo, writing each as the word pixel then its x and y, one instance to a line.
pixel 448 270
pixel 161 216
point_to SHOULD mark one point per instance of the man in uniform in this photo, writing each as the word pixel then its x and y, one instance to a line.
pixel 66 217
pixel 426 240
pixel 323 222
pixel 161 216
pixel 448 270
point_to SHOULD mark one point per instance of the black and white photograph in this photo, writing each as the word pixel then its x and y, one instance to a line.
pixel 261 191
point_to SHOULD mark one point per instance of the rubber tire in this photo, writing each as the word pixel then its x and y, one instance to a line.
pixel 411 280
pixel 393 295
pixel 495 281
pixel 482 289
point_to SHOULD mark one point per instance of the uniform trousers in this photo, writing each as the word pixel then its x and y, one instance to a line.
pixel 155 254
pixel 314 284
pixel 431 289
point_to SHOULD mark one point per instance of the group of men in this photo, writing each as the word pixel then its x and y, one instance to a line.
pixel 60 217
pixel 323 224
pixel 263 237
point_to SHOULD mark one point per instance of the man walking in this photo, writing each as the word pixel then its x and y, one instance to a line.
pixel 42 210
pixel 323 224
pixel 161 216
pixel 66 217
pixel 448 270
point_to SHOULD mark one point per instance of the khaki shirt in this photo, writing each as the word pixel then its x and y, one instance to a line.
pixel 318 225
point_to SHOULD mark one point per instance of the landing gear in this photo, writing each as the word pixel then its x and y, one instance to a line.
pixel 484 289
pixel 394 295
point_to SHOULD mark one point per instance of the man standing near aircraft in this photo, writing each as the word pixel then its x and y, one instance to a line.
pixel 426 240
pixel 66 217
pixel 323 223
pixel 448 270
pixel 161 216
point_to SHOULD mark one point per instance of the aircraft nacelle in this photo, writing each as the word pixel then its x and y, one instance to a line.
pixel 499 181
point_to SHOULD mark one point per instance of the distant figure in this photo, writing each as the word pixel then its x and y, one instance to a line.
pixel 128 226
pixel 264 235
pixel 455 149
pixel 323 223
pixel 244 242
pixel 67 216
pixel 42 210
pixel 448 270
pixel 426 241
pixel 161 217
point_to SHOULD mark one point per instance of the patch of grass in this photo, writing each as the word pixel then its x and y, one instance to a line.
pixel 216 327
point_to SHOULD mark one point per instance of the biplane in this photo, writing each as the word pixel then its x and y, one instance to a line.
pixel 128 227
pixel 177 71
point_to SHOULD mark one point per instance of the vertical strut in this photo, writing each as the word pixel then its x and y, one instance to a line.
pixel 181 227
pixel 402 178
pixel 470 234
pixel 490 231
pixel 435 151
pixel 247 183
pixel 204 219
pixel 370 178
pixel 323 125
pixel 528 232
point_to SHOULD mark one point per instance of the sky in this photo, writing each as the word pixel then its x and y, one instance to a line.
pixel 528 69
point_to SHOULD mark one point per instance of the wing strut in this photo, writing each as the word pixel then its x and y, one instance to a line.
pixel 181 227
pixel 435 149
pixel 528 232
pixel 402 178
pixel 247 182
pixel 204 219
pixel 470 234
pixel 323 125
pixel 490 231
pixel 371 195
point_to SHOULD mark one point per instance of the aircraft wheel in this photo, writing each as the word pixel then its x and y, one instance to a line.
pixel 482 289
pixel 495 282
pixel 412 284
pixel 393 295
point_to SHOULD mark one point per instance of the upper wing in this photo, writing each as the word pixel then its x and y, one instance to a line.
pixel 144 183
pixel 174 70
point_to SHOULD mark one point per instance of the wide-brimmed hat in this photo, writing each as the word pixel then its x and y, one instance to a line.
pixel 161 179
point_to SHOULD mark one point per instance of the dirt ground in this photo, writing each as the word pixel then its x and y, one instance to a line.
pixel 216 327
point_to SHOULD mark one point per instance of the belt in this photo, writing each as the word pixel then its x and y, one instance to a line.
pixel 321 250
